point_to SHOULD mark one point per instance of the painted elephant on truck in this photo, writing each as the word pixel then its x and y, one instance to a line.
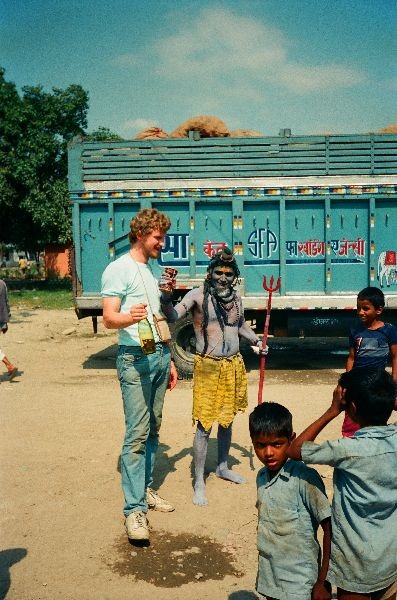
pixel 387 267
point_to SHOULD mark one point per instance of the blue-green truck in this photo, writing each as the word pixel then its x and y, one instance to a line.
pixel 320 212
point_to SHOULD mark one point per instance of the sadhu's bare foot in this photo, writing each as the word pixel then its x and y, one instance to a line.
pixel 229 475
pixel 199 496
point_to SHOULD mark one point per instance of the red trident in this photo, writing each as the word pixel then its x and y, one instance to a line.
pixel 269 288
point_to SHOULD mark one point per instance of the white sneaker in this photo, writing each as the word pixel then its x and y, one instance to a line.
pixel 137 526
pixel 156 502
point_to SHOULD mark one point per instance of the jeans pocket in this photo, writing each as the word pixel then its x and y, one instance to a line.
pixel 129 360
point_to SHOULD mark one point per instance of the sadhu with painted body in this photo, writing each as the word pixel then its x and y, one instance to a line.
pixel 220 381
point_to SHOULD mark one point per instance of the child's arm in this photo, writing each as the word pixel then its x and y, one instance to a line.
pixel 350 360
pixel 393 354
pixel 311 432
pixel 173 378
pixel 322 588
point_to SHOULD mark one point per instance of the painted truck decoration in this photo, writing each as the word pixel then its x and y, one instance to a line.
pixel 387 268
pixel 320 212
pixel 263 244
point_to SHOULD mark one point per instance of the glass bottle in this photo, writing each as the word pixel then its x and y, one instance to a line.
pixel 146 337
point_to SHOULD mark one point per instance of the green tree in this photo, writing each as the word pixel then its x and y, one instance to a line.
pixel 102 134
pixel 35 128
pixel 9 135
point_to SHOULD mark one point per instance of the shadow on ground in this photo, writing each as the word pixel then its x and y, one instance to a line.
pixel 105 359
pixel 166 463
pixel 287 354
pixel 8 558
pixel 290 361
pixel 300 361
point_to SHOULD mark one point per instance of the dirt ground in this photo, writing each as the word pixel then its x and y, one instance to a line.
pixel 62 532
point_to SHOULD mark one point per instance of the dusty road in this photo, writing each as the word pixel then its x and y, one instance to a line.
pixel 62 533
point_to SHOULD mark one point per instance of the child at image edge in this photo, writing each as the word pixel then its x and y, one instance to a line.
pixel 291 504
pixel 371 343
pixel 363 560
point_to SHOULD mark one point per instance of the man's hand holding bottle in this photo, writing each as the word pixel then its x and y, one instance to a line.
pixel 138 312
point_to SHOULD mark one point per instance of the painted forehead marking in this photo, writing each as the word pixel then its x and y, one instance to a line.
pixel 224 269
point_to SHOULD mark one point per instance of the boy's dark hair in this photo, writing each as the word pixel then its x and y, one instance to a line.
pixel 373 391
pixel 373 295
pixel 271 418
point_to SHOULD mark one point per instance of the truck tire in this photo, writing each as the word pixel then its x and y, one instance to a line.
pixel 183 347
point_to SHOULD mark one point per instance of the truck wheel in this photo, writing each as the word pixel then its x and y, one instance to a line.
pixel 183 347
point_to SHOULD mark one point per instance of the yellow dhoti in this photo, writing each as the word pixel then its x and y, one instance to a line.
pixel 219 389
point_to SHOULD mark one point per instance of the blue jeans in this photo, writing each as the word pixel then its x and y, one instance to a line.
pixel 143 381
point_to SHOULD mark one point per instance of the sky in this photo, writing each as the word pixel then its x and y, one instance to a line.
pixel 314 66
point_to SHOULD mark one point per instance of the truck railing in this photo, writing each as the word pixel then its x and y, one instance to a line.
pixel 296 156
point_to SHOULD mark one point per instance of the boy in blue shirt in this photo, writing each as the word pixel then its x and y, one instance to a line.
pixel 364 509
pixel 291 504
pixel 371 343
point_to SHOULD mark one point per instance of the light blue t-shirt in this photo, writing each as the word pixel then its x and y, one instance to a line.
pixel 364 508
pixel 133 283
pixel 290 507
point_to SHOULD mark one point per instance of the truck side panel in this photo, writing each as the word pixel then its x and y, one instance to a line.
pixel 318 246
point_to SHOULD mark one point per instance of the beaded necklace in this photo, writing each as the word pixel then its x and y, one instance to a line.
pixel 225 307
